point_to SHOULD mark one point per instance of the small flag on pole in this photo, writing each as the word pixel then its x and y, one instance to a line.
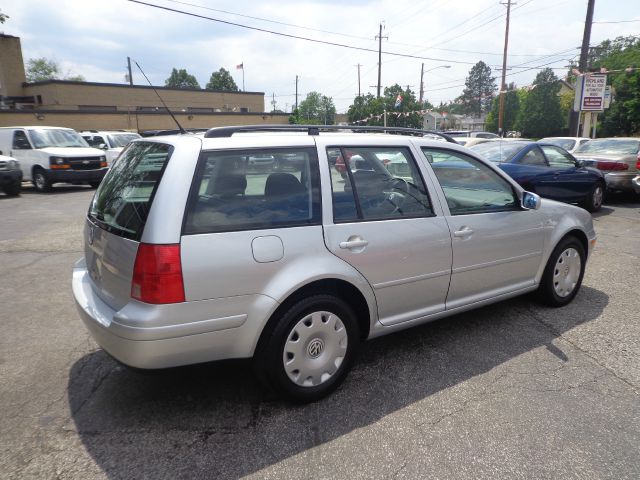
pixel 240 66
pixel 398 101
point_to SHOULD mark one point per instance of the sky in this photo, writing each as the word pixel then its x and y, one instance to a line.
pixel 93 38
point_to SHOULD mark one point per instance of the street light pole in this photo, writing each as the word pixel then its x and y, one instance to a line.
pixel 422 72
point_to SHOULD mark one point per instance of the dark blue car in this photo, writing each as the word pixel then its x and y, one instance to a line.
pixel 547 170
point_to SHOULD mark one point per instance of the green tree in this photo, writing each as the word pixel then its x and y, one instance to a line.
pixel 316 109
pixel 480 88
pixel 181 79
pixel 406 114
pixel 510 112
pixel 41 69
pixel 223 81
pixel 3 17
pixel 623 56
pixel 541 113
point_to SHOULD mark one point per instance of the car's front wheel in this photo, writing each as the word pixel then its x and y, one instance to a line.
pixel 12 189
pixel 310 349
pixel 41 181
pixel 563 274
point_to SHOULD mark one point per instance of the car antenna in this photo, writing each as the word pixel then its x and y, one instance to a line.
pixel 182 130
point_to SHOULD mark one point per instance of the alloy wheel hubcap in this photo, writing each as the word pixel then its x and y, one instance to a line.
pixel 39 180
pixel 566 272
pixel 597 196
pixel 315 349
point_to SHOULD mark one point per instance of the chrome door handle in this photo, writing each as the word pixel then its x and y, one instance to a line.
pixel 359 243
pixel 463 232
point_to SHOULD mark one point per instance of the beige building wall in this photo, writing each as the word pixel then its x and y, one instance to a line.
pixel 65 95
pixel 11 66
pixel 140 122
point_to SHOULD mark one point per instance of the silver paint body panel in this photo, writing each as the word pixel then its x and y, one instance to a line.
pixel 410 271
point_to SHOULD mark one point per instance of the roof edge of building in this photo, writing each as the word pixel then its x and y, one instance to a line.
pixel 121 85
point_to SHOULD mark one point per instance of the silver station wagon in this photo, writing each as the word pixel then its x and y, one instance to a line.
pixel 193 254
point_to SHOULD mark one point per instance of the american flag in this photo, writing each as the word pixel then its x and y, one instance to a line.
pixel 398 101
pixel 240 66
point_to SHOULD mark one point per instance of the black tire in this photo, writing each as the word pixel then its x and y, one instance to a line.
pixel 562 276
pixel 94 184
pixel 269 361
pixel 12 189
pixel 41 181
pixel 593 201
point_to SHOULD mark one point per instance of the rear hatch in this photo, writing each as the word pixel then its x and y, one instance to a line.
pixel 117 217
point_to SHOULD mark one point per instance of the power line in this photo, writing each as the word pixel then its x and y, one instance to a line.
pixel 287 35
pixel 267 20
pixel 621 21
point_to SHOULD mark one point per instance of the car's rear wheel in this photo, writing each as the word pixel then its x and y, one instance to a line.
pixel 310 349
pixel 40 180
pixel 593 201
pixel 563 274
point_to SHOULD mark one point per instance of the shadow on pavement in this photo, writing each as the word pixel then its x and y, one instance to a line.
pixel 214 421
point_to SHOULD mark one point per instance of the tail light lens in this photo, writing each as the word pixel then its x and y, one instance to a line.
pixel 610 165
pixel 157 274
pixel 638 163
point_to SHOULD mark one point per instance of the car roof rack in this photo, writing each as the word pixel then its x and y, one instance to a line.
pixel 221 132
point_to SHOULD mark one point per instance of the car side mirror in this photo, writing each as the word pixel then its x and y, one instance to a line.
pixel 530 201
pixel 580 163
pixel 103 146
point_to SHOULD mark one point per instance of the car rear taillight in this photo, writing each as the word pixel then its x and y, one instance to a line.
pixel 638 163
pixel 157 274
pixel 610 165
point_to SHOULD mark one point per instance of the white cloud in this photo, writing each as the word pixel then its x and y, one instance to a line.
pixel 93 38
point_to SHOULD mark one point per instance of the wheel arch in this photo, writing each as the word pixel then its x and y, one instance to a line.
pixel 342 289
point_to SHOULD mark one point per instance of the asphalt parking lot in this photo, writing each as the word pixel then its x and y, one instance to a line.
pixel 513 390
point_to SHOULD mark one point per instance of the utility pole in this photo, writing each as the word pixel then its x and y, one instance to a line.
pixel 296 93
pixel 358 65
pixel 379 37
pixel 273 101
pixel 421 83
pixel 574 119
pixel 129 67
pixel 503 83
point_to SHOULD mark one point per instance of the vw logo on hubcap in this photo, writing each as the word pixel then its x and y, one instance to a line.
pixel 315 348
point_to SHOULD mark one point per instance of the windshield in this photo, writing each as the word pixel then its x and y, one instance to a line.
pixel 610 147
pixel 498 151
pixel 118 140
pixel 57 137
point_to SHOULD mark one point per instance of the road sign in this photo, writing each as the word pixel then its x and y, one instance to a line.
pixel 591 92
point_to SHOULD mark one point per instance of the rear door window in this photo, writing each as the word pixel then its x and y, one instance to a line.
pixel 376 183
pixel 123 200
pixel 254 189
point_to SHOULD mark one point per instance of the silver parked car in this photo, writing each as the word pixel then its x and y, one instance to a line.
pixel 617 158
pixel 191 255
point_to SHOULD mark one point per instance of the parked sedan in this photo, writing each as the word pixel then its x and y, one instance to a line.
pixel 617 158
pixel 570 144
pixel 548 170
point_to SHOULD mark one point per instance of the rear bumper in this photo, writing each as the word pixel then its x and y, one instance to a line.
pixel 10 177
pixel 132 335
pixel 620 181
pixel 72 176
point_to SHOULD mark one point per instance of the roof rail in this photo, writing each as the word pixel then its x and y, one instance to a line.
pixel 220 132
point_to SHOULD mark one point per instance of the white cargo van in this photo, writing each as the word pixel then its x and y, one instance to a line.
pixel 49 155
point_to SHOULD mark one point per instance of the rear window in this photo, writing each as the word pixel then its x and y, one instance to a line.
pixel 123 200
pixel 254 189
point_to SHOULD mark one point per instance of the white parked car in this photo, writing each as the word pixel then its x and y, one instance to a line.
pixel 112 142
pixel 191 255
pixel 570 144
